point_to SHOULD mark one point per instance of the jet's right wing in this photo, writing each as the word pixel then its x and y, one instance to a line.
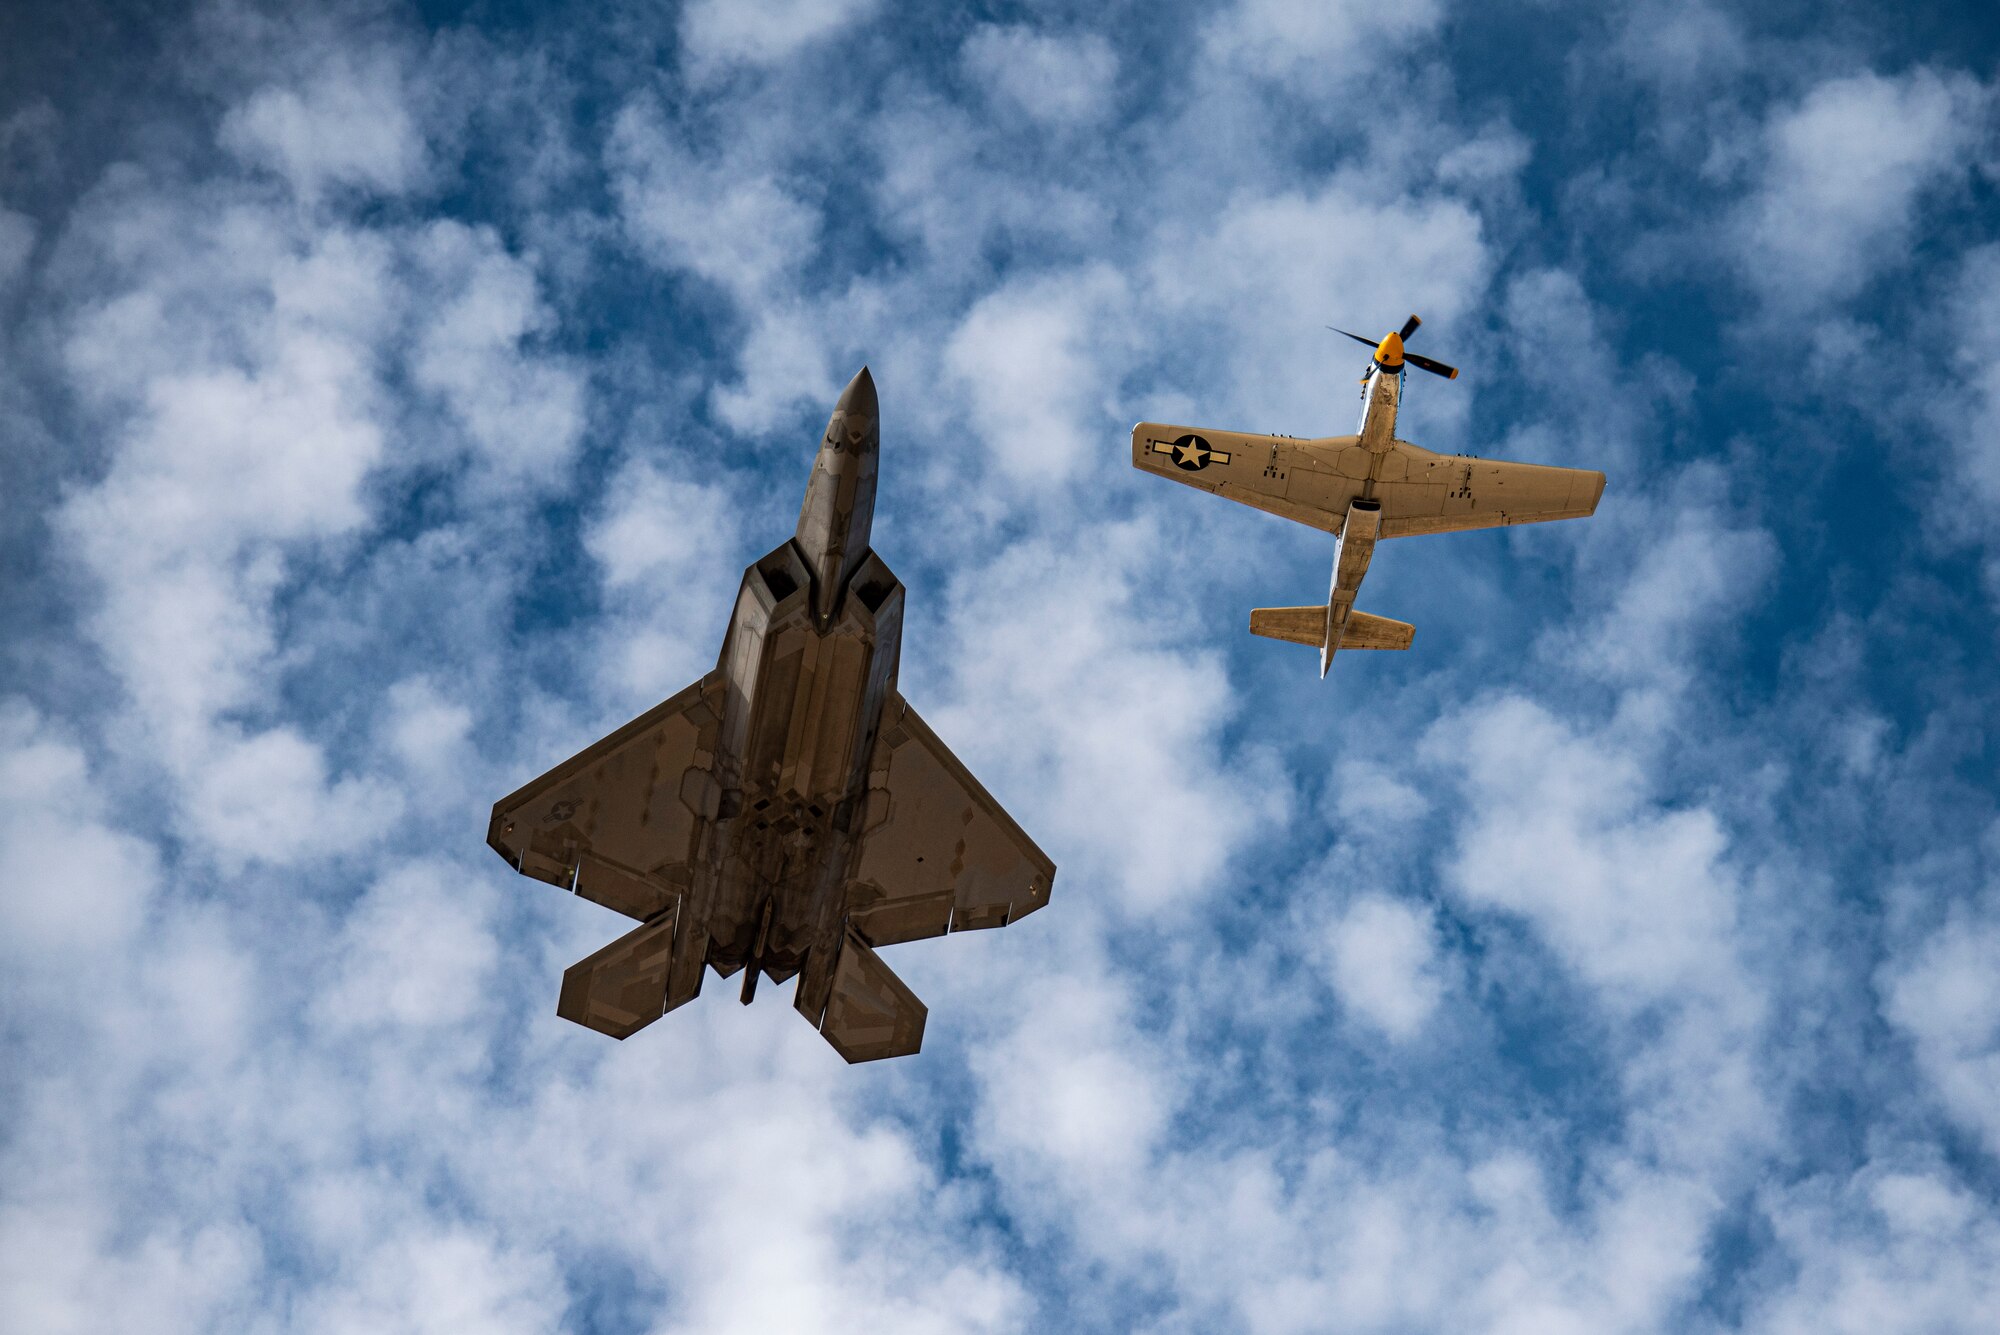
pixel 937 853
pixel 1314 481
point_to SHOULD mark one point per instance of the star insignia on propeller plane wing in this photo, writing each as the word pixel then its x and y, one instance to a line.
pixel 1191 452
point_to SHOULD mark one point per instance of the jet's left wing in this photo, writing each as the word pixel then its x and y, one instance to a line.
pixel 936 853
pixel 622 823
pixel 619 822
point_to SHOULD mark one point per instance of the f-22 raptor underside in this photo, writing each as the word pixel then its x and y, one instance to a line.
pixel 789 813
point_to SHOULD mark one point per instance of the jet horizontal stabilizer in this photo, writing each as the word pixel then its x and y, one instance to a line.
pixel 623 987
pixel 870 1012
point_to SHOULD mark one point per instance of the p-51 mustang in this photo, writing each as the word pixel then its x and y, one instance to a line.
pixel 1361 488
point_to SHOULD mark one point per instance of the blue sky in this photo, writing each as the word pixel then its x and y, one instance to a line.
pixel 392 394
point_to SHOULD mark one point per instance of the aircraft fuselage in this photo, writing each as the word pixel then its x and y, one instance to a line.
pixel 1381 394
pixel 808 662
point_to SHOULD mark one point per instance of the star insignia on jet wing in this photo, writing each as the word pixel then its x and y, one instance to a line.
pixel 1192 453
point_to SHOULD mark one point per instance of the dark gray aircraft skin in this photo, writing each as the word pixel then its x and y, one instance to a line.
pixel 789 813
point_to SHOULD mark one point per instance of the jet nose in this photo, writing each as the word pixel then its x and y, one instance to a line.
pixel 853 424
pixel 858 398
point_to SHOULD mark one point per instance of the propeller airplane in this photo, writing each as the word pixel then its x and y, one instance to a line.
pixel 1362 488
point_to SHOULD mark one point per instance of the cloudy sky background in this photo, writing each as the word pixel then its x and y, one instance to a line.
pixel 391 394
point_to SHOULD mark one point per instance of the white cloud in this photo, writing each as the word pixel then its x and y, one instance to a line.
pixel 433 1281
pixel 347 125
pixel 1060 669
pixel 668 545
pixel 1368 795
pixel 1945 993
pixel 426 728
pixel 1054 79
pixel 733 220
pixel 416 953
pixel 1845 172
pixel 268 797
pixel 243 438
pixel 1972 417
pixel 716 34
pixel 522 411
pixel 1384 964
pixel 74 884
pixel 1892 1247
pixel 1686 581
pixel 1964 503
pixel 1069 1093
pixel 1034 361
pixel 1636 898
pixel 1256 282
pixel 1682 44
pixel 726 220
pixel 942 186
pixel 1309 42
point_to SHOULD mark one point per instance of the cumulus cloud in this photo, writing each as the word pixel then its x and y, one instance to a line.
pixel 1682 46
pixel 1500 989
pixel 1945 994
pixel 716 34
pixel 665 543
pixel 1034 362
pixel 1636 900
pixel 1313 42
pixel 1061 671
pixel 1899 1245
pixel 1385 966
pixel 1256 280
pixel 77 884
pixel 1060 80
pixel 346 126
pixel 1966 497
pixel 730 222
pixel 1845 171
pixel 520 408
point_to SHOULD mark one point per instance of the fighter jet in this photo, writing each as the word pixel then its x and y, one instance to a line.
pixel 1361 488
pixel 789 813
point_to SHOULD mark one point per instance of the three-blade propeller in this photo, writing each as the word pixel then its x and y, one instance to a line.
pixel 1421 363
